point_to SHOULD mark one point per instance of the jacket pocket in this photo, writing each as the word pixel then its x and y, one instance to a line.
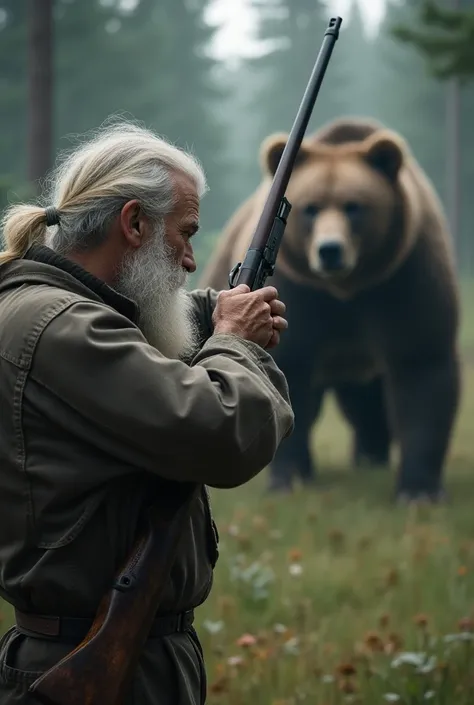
pixel 49 537
pixel 9 673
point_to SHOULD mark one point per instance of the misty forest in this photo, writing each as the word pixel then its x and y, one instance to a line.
pixel 330 593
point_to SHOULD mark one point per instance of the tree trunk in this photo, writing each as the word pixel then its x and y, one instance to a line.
pixel 40 88
pixel 453 166
pixel 453 161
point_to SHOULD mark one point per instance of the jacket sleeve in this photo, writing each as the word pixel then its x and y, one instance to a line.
pixel 204 301
pixel 217 421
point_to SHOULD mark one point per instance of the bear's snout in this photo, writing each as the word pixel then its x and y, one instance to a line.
pixel 331 248
pixel 331 255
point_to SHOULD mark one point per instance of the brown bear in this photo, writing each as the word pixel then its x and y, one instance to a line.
pixel 367 272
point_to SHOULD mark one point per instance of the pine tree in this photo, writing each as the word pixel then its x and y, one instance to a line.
pixel 153 66
pixel 78 46
pixel 150 64
pixel 191 114
pixel 466 138
pixel 13 78
pixel 445 39
pixel 293 31
pixel 409 100
pixel 356 53
pixel 245 116
pixel 92 72
pixel 40 89
pixel 269 87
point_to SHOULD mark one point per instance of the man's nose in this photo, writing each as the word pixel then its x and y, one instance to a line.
pixel 189 263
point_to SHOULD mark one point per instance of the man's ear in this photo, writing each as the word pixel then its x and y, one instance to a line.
pixel 131 218
pixel 385 152
pixel 271 151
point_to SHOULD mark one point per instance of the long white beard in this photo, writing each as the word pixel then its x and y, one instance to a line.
pixel 150 277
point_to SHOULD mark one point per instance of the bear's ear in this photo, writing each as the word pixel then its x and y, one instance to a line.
pixel 385 152
pixel 271 151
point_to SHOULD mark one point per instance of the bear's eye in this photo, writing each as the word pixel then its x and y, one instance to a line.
pixel 311 210
pixel 352 209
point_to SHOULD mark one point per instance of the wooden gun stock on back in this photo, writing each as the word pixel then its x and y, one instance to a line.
pixel 100 669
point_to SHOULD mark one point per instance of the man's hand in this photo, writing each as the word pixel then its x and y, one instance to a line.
pixel 254 315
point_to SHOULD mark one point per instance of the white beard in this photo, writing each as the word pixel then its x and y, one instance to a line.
pixel 150 277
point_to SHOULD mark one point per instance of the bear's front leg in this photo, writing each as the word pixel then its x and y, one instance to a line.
pixel 293 458
pixel 424 395
pixel 364 407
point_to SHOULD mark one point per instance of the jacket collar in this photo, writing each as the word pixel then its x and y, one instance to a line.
pixel 54 262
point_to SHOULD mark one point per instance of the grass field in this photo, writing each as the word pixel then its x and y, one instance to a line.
pixel 334 596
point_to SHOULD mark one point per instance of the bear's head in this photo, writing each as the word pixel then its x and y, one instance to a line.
pixel 349 208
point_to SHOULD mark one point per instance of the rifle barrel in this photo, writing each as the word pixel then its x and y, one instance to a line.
pixel 283 172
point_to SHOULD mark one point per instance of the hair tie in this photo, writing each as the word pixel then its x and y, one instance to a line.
pixel 52 216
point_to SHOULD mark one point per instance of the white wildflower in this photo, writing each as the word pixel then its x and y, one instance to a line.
pixel 410 658
pixel 291 646
pixel 213 627
pixel 280 628
pixel 295 569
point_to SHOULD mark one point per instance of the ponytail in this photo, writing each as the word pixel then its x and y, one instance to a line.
pixel 22 225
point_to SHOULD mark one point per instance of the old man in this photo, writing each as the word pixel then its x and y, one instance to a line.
pixel 116 384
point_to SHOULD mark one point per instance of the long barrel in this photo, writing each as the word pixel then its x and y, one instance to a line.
pixel 245 274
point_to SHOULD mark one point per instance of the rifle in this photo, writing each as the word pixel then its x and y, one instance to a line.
pixel 260 259
pixel 100 669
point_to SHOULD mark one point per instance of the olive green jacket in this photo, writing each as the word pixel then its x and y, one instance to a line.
pixel 94 424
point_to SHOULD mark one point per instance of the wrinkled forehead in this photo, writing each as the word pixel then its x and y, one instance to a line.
pixel 187 198
pixel 185 190
pixel 335 181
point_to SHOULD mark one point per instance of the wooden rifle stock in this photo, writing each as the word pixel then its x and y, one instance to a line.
pixel 259 262
pixel 100 669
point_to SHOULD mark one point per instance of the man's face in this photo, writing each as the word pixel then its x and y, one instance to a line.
pixel 154 275
pixel 183 223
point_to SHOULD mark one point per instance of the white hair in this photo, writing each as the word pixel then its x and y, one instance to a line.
pixel 119 162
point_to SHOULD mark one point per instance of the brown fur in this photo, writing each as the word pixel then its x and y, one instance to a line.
pixel 390 311
pixel 342 166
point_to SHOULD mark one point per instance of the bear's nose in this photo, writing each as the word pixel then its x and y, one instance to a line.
pixel 331 255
